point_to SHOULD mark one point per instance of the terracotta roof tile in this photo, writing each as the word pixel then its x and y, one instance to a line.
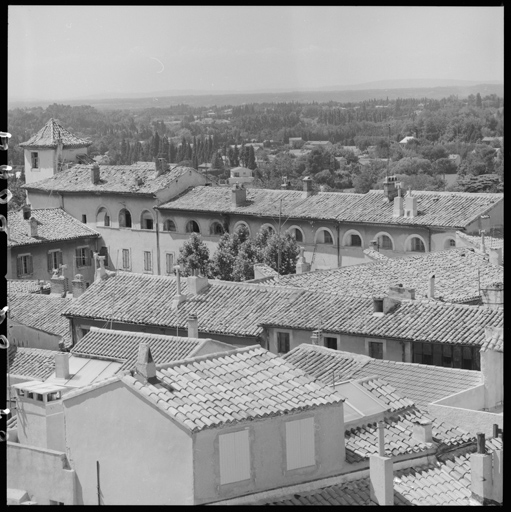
pixel 494 339
pixel 51 134
pixel 28 286
pixel 31 362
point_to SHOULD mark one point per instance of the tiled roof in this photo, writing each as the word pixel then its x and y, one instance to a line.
pixel 223 307
pixel 27 286
pixel 426 321
pixel 494 339
pixel 385 393
pixel 228 387
pixel 138 178
pixel 459 274
pixel 475 241
pixel 54 225
pixel 420 383
pixel 265 270
pixel 51 134
pixel 42 312
pixel 35 363
pixel 123 346
pixel 443 209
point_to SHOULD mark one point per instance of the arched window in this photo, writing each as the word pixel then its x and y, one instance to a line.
pixel 296 233
pixel 355 240
pixel 352 238
pixel 103 217
pixel 241 223
pixel 269 227
pixel 417 245
pixel 216 229
pixel 124 218
pixel 169 225
pixel 450 243
pixel 324 237
pixel 385 242
pixel 146 220
pixel 192 227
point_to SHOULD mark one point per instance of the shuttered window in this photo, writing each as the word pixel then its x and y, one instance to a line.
pixel 234 454
pixel 126 264
pixel 148 262
pixel 300 446
pixel 24 265
pixel 54 260
pixel 82 255
pixel 169 263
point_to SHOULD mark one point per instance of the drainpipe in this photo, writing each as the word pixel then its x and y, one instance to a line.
pixel 62 201
pixel 429 240
pixel 338 245
pixel 157 241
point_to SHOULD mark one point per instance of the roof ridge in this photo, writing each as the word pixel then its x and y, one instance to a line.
pixel 93 386
pixel 145 334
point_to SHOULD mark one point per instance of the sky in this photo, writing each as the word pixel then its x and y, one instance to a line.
pixel 74 52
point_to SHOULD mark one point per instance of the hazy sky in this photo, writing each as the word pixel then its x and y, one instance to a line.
pixel 59 52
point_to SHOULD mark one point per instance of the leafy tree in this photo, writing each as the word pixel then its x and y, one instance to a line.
pixel 216 161
pixel 251 162
pixel 222 263
pixel 365 179
pixel 243 268
pixel 194 255
pixel 286 245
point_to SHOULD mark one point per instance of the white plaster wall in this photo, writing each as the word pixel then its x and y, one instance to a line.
pixel 24 336
pixel 46 165
pixel 492 368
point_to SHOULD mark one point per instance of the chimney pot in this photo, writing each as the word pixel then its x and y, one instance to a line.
pixel 307 186
pixel 301 264
pixel 58 285
pixel 78 286
pixel 94 174
pixel 423 431
pixel 193 326
pixel 381 473
pixel 239 195
pixel 145 364
pixel 495 256
pixel 27 211
pixel 62 365
pixel 390 188
pixel 196 284
pixel 410 209
pixel 431 290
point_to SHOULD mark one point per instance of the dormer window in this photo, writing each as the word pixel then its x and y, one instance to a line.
pixel 35 159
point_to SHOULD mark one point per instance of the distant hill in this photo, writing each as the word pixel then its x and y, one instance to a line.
pixel 354 95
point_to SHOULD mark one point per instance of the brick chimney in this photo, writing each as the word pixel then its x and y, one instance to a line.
pixel 495 255
pixel 193 326
pixel 94 174
pixel 486 474
pixel 27 211
pixel 77 286
pixel 238 195
pixel 301 265
pixel 307 186
pixel 410 205
pixel 197 283
pixel 390 188
pixel 62 365
pixel 381 472
pixel 423 431
pixel 431 286
pixel 398 204
pixel 33 227
pixel 145 366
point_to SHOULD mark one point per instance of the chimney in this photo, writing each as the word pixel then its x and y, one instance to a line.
pixel 62 365
pixel 390 188
pixel 381 473
pixel 145 364
pixel 286 184
pixel 431 287
pixel 398 204
pixel 58 285
pixel 410 205
pixel 492 367
pixel 193 326
pixel 423 431
pixel 483 245
pixel 77 286
pixel 493 295
pixel 301 265
pixel 316 337
pixel 162 166
pixel 307 186
pixel 239 195
pixel 197 283
pixel 94 174
pixel 486 474
pixel 495 255
pixel 179 297
pixel 33 227
pixel 27 211
pixel 101 271
pixel 400 292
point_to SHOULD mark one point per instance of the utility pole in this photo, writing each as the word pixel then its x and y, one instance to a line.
pixel 388 153
pixel 279 253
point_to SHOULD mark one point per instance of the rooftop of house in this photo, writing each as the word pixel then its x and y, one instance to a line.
pixel 53 225
pixel 123 346
pixel 42 312
pixel 138 178
pixel 414 320
pixel 34 363
pixel 422 384
pixel 475 241
pixel 228 387
pixel 222 307
pixel 494 339
pixel 51 134
pixel 459 275
pixel 441 209
pixel 28 286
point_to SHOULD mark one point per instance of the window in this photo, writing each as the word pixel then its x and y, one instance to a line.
pixel 103 218
pixel 355 241
pixel 169 225
pixel 24 265
pixel 375 349
pixel 300 449
pixel 84 331
pixel 384 242
pixel 283 342
pixel 104 252
pixel 447 355
pixel 169 263
pixel 330 342
pixel 82 255
pixel 54 260
pixel 192 227
pixel 326 237
pixel 126 264
pixel 270 229
pixel 417 245
pixel 234 457
pixel 450 244
pixel 427 353
pixel 148 261
pixel 298 235
pixel 84 218
pixel 466 362
pixel 146 221
pixel 216 229
pixel 35 160
pixel 124 218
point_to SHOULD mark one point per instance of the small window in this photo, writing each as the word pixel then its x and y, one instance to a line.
pixel 104 252
pixel 84 218
pixel 467 358
pixel 356 241
pixel 327 237
pixel 54 260
pixel 216 229
pixel 84 331
pixel 447 355
pixel 24 265
pixel 126 263
pixel 192 227
pixel 124 218
pixel 427 353
pixel 146 220
pixel 330 342
pixel 384 242
pixel 148 261
pixel 102 218
pixel 375 349
pixel 450 244
pixel 35 160
pixel 21 393
pixel 169 263
pixel 169 225
pixel 234 457
pixel 417 245
pixel 283 344
pixel 83 258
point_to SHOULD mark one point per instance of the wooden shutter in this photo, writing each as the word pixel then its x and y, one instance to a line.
pixel 50 263
pixel 78 258
pixel 18 266
pixel 59 258
pixel 300 443
pixel 234 455
pixel 30 267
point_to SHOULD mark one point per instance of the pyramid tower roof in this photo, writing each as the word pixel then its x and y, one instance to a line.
pixel 51 134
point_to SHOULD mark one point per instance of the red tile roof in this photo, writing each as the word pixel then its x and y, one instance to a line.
pixel 28 286
pixel 51 134
pixel 494 339
pixel 139 178
pixel 54 225
pixel 34 363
